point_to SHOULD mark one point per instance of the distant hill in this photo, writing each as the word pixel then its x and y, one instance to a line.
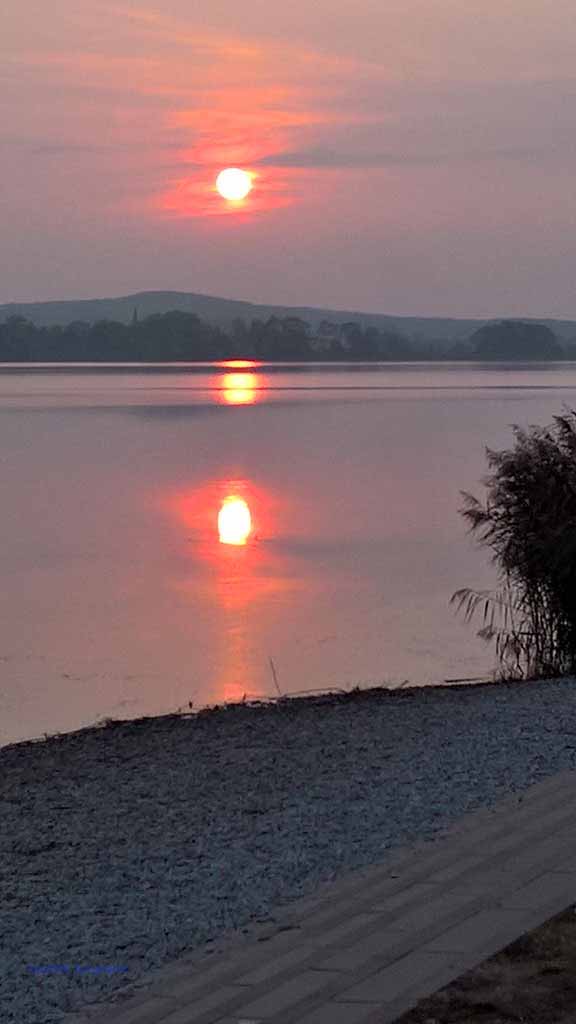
pixel 223 311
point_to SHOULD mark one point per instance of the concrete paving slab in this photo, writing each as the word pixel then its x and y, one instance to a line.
pixel 286 995
pixel 500 926
pixel 401 976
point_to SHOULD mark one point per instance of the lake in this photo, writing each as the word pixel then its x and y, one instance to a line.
pixel 124 594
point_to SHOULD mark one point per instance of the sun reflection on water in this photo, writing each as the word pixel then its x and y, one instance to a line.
pixel 239 388
pixel 240 385
pixel 234 521
pixel 229 530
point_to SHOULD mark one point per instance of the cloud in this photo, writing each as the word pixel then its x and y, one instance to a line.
pixel 152 98
pixel 63 147
pixel 321 158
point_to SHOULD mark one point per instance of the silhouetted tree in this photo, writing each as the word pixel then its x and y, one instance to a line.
pixel 17 337
pixel 515 339
pixel 241 341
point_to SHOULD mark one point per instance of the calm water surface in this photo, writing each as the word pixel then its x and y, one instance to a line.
pixel 120 598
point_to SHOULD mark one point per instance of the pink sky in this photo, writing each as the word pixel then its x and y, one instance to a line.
pixel 410 156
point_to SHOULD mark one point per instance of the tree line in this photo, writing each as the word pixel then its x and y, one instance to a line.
pixel 185 337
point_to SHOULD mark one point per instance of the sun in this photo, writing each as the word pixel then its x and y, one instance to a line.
pixel 234 184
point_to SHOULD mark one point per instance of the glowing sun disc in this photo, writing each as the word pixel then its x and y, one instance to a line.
pixel 234 521
pixel 234 184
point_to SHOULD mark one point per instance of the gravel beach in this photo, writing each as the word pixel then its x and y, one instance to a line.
pixel 126 845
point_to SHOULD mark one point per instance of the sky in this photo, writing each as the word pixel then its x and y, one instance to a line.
pixel 407 156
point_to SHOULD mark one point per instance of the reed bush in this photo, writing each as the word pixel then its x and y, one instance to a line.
pixel 529 521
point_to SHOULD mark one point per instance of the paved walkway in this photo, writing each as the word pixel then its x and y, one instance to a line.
pixel 366 949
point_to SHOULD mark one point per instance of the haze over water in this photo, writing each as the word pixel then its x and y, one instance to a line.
pixel 120 598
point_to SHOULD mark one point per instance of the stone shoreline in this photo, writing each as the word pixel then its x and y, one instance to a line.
pixel 128 844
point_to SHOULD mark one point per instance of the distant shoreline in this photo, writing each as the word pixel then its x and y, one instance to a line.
pixel 223 365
